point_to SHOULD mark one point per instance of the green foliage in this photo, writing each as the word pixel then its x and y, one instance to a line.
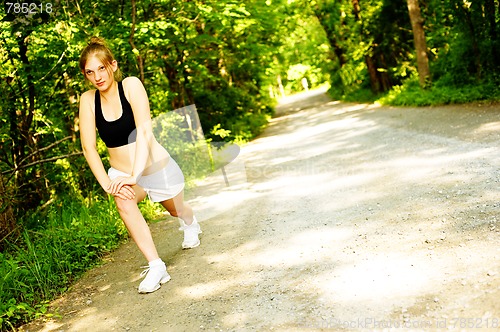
pixel 462 39
pixel 50 255
pixel 362 95
pixel 364 54
pixel 410 94
pixel 180 133
pixel 240 114
pixel 301 49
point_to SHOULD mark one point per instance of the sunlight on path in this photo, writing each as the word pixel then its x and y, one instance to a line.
pixel 303 95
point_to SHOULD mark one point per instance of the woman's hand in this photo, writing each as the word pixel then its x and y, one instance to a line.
pixel 116 185
pixel 125 192
pixel 121 188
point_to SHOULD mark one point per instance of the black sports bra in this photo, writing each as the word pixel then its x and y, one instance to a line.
pixel 120 131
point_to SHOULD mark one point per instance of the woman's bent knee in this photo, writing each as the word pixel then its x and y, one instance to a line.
pixel 125 205
pixel 175 213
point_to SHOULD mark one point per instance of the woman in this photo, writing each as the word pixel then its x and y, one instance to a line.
pixel 140 166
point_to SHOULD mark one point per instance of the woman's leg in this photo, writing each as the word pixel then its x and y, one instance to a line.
pixel 177 207
pixel 156 274
pixel 136 224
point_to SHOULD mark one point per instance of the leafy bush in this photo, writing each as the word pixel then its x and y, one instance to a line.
pixel 241 111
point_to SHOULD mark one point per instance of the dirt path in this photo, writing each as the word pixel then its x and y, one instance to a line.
pixel 340 216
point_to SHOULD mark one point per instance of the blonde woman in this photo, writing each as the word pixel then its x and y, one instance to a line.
pixel 140 166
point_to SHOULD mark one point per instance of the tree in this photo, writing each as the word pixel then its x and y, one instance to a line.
pixel 417 24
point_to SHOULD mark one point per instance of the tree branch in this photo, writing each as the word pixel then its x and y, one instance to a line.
pixel 43 161
pixel 43 149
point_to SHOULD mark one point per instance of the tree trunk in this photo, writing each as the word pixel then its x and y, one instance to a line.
pixel 417 24
pixel 474 41
pixel 384 78
pixel 490 16
pixel 280 85
pixel 357 9
pixel 140 60
pixel 7 221
pixel 376 80
pixel 372 71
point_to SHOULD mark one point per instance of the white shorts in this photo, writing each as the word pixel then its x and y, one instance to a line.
pixel 160 186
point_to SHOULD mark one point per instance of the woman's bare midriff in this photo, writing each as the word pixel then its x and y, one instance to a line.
pixel 122 158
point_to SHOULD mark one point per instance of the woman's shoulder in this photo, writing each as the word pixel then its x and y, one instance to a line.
pixel 131 81
pixel 88 95
pixel 133 86
pixel 87 100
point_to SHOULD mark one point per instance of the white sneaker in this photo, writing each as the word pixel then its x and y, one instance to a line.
pixel 156 275
pixel 191 232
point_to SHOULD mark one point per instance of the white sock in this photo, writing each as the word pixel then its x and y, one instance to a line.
pixel 183 223
pixel 156 262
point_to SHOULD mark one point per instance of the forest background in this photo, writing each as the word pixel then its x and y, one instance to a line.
pixel 233 60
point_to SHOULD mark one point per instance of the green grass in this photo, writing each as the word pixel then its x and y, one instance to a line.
pixel 440 93
pixel 410 93
pixel 60 244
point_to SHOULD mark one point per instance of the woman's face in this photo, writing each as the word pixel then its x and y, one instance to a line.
pixel 97 73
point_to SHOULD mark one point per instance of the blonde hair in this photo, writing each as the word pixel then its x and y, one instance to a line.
pixel 98 47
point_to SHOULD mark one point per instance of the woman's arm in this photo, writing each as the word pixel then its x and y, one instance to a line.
pixel 140 106
pixel 88 139
pixel 89 147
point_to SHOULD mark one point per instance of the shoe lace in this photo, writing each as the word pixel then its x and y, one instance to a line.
pixel 144 272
